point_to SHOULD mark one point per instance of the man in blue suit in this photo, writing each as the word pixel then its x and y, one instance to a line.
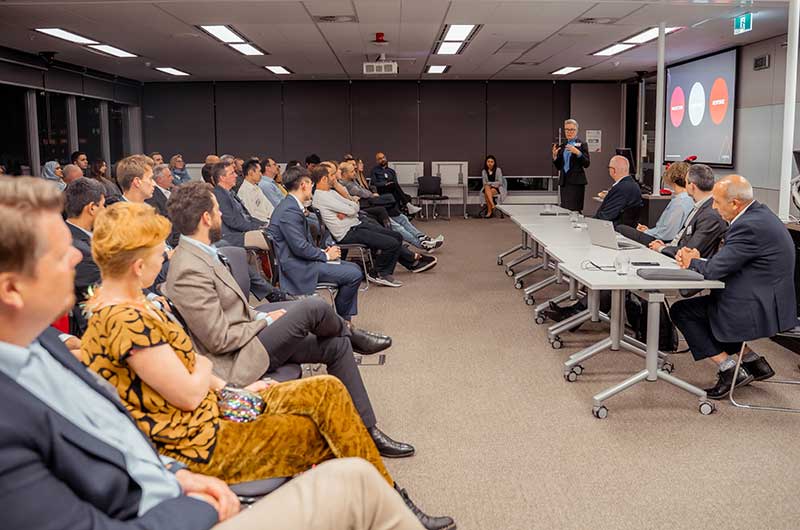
pixel 303 265
pixel 756 262
pixel 624 194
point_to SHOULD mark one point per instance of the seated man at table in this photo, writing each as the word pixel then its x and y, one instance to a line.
pixel 624 194
pixel 703 228
pixel 673 216
pixel 756 262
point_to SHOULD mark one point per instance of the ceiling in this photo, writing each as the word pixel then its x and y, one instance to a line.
pixel 542 35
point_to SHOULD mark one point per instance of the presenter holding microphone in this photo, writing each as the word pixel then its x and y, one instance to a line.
pixel 571 158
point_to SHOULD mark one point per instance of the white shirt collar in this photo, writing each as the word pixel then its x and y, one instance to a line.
pixel 740 213
pixel 81 229
pixel 299 202
pixel 165 191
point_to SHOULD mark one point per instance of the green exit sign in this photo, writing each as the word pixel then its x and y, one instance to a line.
pixel 743 23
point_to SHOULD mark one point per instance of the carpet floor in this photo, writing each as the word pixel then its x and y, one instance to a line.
pixel 504 442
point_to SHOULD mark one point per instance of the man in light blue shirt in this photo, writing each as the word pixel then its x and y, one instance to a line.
pixel 269 186
pixel 673 216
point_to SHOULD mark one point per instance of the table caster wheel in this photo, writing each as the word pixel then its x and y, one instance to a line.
pixel 539 319
pixel 518 285
pixel 509 272
pixel 668 367
pixel 556 343
pixel 578 369
pixel 706 408
pixel 499 261
pixel 571 376
pixel 530 301
pixel 600 412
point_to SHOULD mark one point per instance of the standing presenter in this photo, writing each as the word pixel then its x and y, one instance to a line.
pixel 571 158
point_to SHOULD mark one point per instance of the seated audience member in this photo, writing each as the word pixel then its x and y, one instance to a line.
pixel 703 228
pixel 673 216
pixel 239 228
pixel 52 172
pixel 270 183
pixel 212 159
pixel 623 195
pixel 84 199
pixel 180 175
pixel 303 265
pixel 205 171
pixel 71 172
pixel 340 216
pixel 80 159
pixel 251 195
pixel 398 222
pixel 157 157
pixel 494 184
pixel 245 344
pixel 312 161
pixel 99 172
pixel 48 400
pixel 384 179
pixel 135 177
pixel 756 262
pixel 164 182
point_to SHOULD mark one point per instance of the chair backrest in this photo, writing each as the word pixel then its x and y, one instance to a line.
pixel 237 259
pixel 323 228
pixel 630 216
pixel 273 261
pixel 429 185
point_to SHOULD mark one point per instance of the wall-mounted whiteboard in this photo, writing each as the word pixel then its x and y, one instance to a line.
pixel 408 172
pixel 452 173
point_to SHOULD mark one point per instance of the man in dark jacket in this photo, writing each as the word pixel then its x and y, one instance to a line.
pixel 239 228
pixel 572 158
pixel 624 195
pixel 756 262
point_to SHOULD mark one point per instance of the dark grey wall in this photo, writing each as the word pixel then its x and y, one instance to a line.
pixel 409 120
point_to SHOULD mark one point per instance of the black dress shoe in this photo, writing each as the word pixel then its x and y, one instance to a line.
pixel 759 369
pixel 367 343
pixel 724 380
pixel 428 521
pixel 389 448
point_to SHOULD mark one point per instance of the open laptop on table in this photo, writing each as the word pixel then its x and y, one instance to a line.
pixel 602 234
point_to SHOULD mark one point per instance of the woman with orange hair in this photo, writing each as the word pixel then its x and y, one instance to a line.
pixel 175 398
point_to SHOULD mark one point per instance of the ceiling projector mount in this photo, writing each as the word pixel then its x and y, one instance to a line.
pixel 381 66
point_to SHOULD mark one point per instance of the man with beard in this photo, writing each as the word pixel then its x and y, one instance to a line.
pixel 384 179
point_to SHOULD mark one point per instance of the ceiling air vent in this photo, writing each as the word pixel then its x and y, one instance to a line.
pixel 335 19
pixel 597 20
pixel 515 46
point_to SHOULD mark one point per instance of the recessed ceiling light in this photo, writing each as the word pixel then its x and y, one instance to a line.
pixel 66 35
pixel 246 49
pixel 111 50
pixel 278 70
pixel 458 32
pixel 449 48
pixel 437 69
pixel 171 71
pixel 614 49
pixel 647 36
pixel 566 70
pixel 223 33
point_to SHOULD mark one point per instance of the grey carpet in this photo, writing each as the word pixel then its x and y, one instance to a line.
pixel 503 442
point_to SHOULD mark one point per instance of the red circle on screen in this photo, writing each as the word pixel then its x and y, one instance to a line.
pixel 718 100
pixel 677 106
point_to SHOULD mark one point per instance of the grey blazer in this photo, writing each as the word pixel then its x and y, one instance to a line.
pixel 704 231
pixel 217 314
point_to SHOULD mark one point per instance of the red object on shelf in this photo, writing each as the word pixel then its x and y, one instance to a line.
pixel 379 37
pixel 62 324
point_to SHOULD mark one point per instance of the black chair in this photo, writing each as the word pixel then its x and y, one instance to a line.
pixel 251 492
pixel 429 191
pixel 630 216
pixel 364 255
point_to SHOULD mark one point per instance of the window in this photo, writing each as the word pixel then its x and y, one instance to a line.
pixel 116 132
pixel 51 110
pixel 89 138
pixel 14 132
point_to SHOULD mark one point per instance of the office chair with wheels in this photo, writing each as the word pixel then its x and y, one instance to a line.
pixel 429 191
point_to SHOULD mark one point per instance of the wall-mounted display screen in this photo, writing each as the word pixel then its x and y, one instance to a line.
pixel 701 97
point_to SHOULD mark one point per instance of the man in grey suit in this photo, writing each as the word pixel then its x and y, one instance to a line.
pixel 245 343
pixel 703 228
pixel 70 454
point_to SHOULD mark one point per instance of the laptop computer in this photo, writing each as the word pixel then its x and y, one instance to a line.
pixel 602 234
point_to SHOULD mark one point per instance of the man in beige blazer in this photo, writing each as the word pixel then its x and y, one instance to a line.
pixel 245 343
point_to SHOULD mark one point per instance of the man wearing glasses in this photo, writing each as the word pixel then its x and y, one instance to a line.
pixel 571 158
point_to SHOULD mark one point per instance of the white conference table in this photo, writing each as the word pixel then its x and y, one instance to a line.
pixel 521 214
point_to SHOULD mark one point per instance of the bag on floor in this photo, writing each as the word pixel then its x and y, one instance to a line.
pixel 636 312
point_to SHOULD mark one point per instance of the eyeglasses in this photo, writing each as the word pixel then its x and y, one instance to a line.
pixel 570 129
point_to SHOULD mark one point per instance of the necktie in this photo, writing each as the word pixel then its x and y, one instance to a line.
pixel 682 231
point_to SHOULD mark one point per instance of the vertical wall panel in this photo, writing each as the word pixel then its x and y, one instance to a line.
pixel 453 122
pixel 249 121
pixel 385 118
pixel 316 119
pixel 179 118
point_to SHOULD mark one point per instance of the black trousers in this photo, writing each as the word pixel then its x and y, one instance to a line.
pixel 385 244
pixel 394 189
pixel 691 316
pixel 572 197
pixel 311 332
pixel 631 233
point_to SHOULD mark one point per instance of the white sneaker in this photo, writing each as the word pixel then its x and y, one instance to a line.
pixel 413 209
pixel 430 244
pixel 439 238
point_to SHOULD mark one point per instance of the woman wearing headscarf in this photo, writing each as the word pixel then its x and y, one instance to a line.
pixel 52 172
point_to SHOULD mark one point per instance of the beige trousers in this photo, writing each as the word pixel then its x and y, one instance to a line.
pixel 340 494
